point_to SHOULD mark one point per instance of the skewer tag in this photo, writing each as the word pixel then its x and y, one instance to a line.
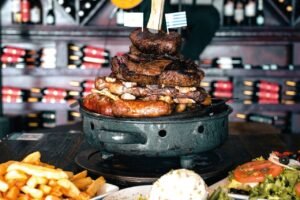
pixel 134 19
pixel 176 20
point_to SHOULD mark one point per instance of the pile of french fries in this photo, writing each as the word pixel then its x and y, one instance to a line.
pixel 32 179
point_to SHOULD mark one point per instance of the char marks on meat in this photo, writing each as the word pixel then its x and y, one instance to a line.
pixel 159 44
pixel 120 70
pixel 181 73
pixel 157 72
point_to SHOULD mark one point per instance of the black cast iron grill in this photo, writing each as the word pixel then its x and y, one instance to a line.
pixel 181 134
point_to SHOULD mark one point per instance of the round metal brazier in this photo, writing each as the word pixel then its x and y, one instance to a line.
pixel 167 136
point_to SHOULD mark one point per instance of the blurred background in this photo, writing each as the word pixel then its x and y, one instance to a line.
pixel 52 50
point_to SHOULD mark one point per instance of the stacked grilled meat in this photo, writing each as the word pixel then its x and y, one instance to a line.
pixel 152 80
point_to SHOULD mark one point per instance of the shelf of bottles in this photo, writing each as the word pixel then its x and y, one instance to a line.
pixel 251 12
pixel 43 62
pixel 32 11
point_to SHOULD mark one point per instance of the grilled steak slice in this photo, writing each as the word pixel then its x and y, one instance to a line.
pixel 176 73
pixel 120 70
pixel 136 56
pixel 150 67
pixel 181 73
pixel 159 44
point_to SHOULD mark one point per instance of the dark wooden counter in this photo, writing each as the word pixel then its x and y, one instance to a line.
pixel 60 146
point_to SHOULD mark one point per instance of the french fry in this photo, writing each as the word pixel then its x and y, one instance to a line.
pixel 70 188
pixel 47 165
pixel 24 197
pixel 11 182
pixel 12 193
pixel 33 192
pixel 3 167
pixel 52 197
pixel 33 158
pixel 83 196
pixel 37 170
pixel 95 186
pixel 52 182
pixel 20 183
pixel 3 186
pixel 70 174
pixel 45 188
pixel 79 175
pixel 83 182
pixel 33 181
pixel 55 191
pixel 15 175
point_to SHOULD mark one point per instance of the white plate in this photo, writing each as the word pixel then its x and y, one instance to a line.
pixel 105 190
pixel 132 193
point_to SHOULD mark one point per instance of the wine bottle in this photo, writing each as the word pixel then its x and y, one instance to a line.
pixel 260 16
pixel 222 85
pixel 291 93
pixel 50 17
pixel 17 51
pixel 288 7
pixel 228 13
pixel 253 117
pixel 36 12
pixel 250 12
pixel 74 116
pixel 12 98
pixel 261 94
pixel 222 94
pixel 85 65
pixel 291 83
pixel 288 101
pixel 239 12
pixel 6 58
pixel 88 50
pixel 120 17
pixel 53 91
pixel 48 119
pixel 53 99
pixel 16 11
pixel 81 59
pixel 263 85
pixel 77 94
pixel 8 90
pixel 25 11
pixel 85 7
pixel 268 101
pixel 83 84
pixel 227 62
pixel 70 10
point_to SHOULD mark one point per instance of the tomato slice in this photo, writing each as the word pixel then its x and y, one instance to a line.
pixel 256 171
pixel 297 189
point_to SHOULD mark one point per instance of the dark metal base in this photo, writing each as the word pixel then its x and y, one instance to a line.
pixel 129 171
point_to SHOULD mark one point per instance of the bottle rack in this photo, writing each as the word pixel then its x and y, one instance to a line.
pixel 288 20
pixel 91 13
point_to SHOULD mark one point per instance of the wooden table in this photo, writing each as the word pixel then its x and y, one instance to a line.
pixel 59 146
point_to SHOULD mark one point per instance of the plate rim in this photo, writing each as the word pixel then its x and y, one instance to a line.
pixel 112 195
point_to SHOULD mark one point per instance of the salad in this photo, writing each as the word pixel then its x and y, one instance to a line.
pixel 277 178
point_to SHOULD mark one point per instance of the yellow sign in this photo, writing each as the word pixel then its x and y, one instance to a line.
pixel 126 4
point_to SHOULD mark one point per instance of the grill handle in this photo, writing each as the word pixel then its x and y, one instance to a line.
pixel 116 137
